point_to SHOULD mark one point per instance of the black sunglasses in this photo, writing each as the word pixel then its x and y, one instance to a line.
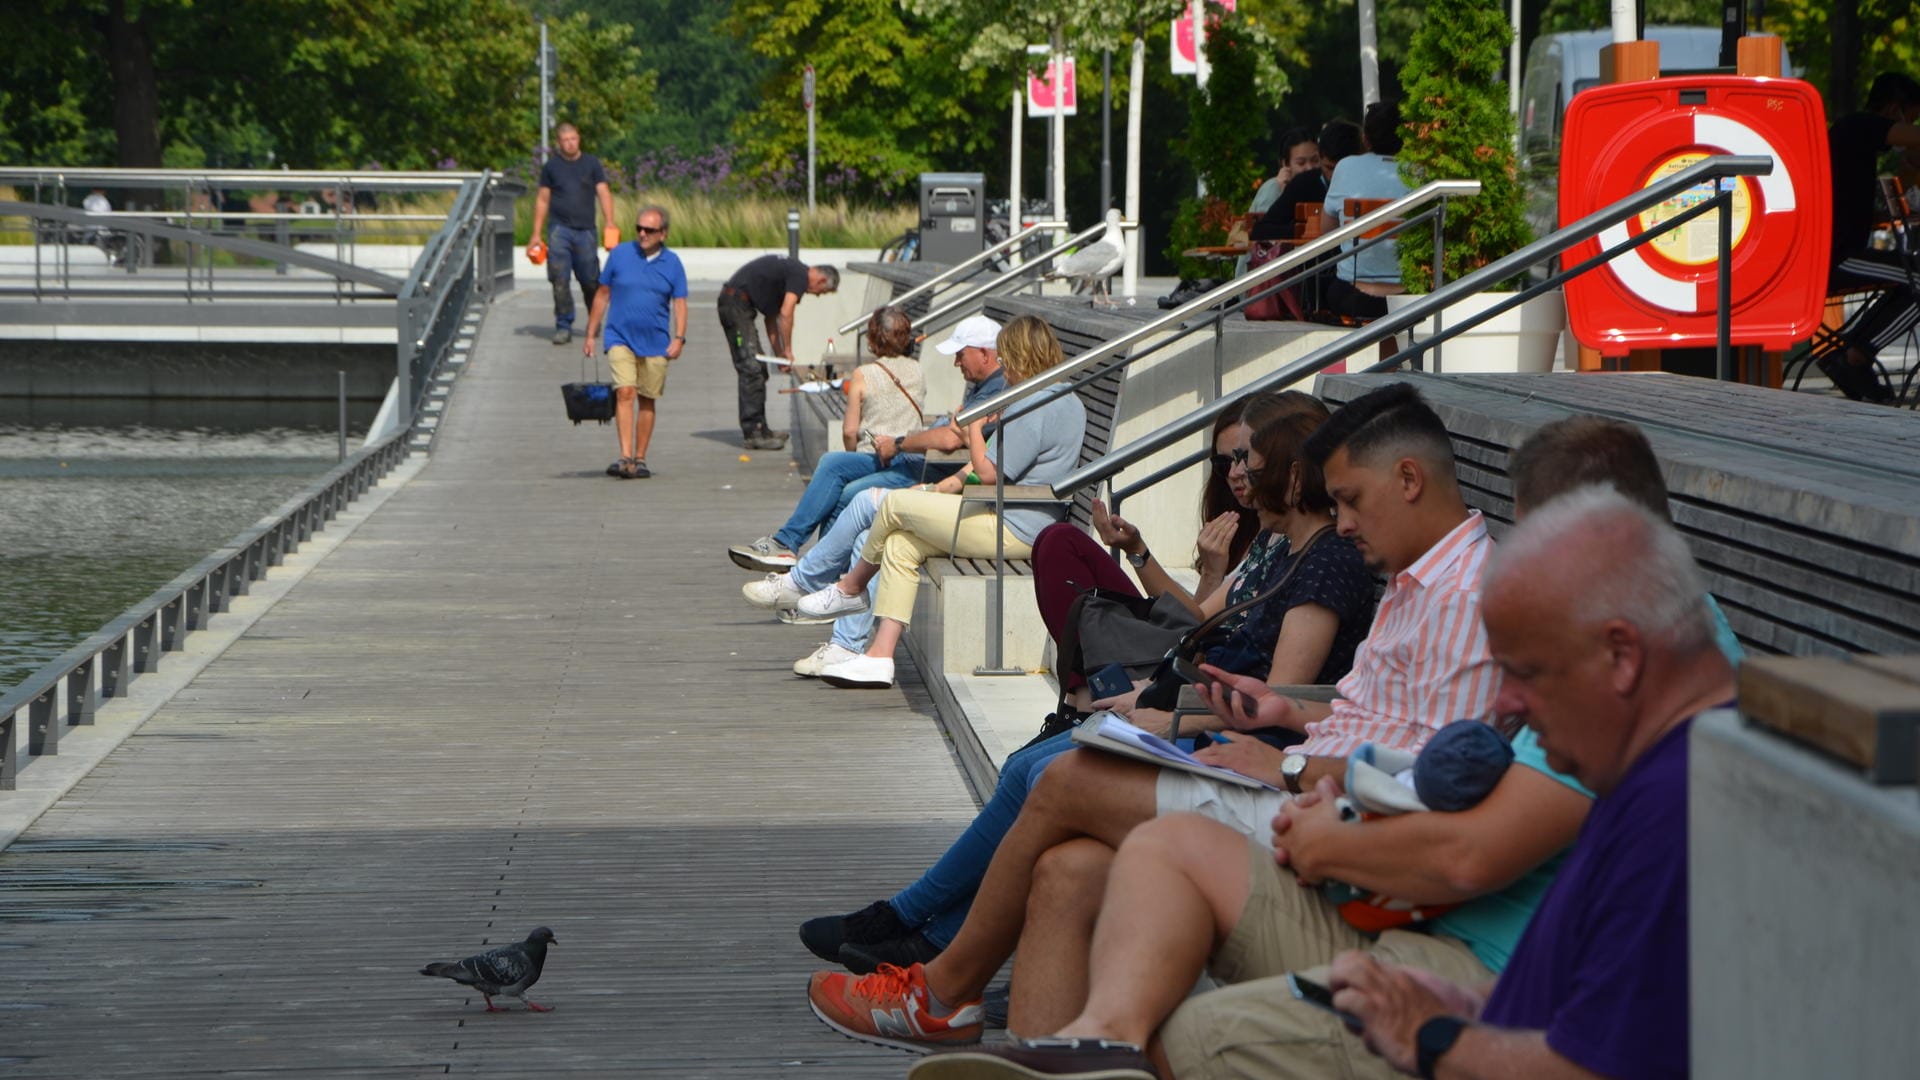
pixel 1224 462
pixel 648 229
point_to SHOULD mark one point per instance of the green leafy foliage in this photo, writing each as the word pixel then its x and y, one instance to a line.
pixel 1455 125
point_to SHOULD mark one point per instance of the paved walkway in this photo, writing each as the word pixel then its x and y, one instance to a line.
pixel 521 694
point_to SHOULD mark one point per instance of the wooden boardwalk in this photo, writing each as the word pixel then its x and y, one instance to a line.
pixel 522 694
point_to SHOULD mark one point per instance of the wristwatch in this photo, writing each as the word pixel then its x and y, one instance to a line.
pixel 1291 767
pixel 1139 561
pixel 1435 1038
pixel 681 338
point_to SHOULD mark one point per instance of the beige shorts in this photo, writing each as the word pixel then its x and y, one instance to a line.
pixel 1249 811
pixel 647 374
pixel 1254 1027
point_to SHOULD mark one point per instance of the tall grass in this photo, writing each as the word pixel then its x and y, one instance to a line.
pixel 701 220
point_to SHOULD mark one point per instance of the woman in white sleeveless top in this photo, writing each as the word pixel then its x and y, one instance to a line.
pixel 884 397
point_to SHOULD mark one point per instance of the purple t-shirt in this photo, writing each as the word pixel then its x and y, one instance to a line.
pixel 1602 969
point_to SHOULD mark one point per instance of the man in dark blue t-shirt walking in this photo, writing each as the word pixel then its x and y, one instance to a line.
pixel 570 183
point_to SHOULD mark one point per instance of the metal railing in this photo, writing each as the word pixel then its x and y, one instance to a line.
pixel 1719 171
pixel 955 271
pixel 1010 278
pixel 67 691
pixel 1393 217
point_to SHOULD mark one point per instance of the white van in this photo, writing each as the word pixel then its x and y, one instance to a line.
pixel 1560 66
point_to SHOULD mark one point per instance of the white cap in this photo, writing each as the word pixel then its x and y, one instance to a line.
pixel 974 332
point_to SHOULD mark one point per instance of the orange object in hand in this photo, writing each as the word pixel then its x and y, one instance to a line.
pixel 537 253
pixel 610 237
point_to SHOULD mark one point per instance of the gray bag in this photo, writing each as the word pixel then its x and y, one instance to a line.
pixel 1114 628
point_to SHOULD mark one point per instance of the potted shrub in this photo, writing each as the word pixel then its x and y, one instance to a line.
pixel 1455 125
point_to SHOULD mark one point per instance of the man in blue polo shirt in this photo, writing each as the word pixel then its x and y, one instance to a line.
pixel 642 303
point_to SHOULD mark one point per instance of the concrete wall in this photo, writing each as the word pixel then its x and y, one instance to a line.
pixel 192 370
pixel 1804 912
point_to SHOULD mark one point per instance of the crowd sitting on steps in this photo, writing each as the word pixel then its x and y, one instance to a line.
pixel 1538 930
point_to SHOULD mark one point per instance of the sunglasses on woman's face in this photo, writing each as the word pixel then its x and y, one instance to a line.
pixel 1225 462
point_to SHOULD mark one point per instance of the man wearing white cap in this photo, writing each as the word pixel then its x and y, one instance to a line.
pixel 894 463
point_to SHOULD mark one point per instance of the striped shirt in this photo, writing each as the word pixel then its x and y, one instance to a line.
pixel 1425 662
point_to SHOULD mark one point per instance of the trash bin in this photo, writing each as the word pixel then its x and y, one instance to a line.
pixel 953 209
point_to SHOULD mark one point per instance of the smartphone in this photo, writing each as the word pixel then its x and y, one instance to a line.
pixel 1315 994
pixel 1110 681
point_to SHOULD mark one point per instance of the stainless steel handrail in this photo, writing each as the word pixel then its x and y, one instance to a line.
pixel 250 178
pixel 931 319
pixel 66 691
pixel 943 276
pixel 1713 169
pixel 1307 252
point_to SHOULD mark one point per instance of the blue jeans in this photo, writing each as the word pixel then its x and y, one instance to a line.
pixel 571 253
pixel 838 477
pixel 938 902
pixel 823 564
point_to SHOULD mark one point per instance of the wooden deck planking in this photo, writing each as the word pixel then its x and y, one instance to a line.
pixel 523 693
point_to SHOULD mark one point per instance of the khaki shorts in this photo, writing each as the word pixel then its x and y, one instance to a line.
pixel 1248 811
pixel 1254 1027
pixel 648 374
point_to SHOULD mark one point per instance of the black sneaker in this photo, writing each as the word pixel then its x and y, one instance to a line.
pixel 874 923
pixel 993 1006
pixel 1861 382
pixel 903 952
pixel 1054 723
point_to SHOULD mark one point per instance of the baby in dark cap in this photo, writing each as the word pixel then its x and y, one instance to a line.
pixel 1459 766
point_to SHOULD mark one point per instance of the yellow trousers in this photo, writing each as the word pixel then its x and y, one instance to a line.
pixel 914 526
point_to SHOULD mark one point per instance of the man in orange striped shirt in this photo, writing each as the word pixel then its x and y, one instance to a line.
pixel 1389 466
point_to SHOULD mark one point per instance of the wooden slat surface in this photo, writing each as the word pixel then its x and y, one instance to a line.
pixel 523 693
pixel 1803 511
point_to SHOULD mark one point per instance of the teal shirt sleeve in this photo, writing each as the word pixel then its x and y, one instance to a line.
pixel 1723 634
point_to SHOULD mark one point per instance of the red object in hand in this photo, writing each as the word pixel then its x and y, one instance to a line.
pixel 537 253
pixel 610 237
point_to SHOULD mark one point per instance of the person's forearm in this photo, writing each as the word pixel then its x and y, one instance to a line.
pixel 540 215
pixel 786 336
pixel 606 203
pixel 1210 580
pixel 680 319
pixel 1489 1053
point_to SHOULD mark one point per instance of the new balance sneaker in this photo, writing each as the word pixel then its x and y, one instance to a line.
pixel 859 673
pixel 891 1007
pixel 811 665
pixel 831 603
pixel 875 922
pixel 1037 1059
pixel 773 591
pixel 903 950
pixel 765 555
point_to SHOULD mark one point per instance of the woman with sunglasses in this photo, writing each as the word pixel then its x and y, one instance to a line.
pixel 1306 632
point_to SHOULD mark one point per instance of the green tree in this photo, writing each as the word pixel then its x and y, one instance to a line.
pixel 894 98
pixel 1455 125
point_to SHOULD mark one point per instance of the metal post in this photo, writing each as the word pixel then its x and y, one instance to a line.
pixel 1015 219
pixel 793 233
pixel 1723 348
pixel 1196 11
pixel 1439 275
pixel 996 611
pixel 546 96
pixel 342 455
pixel 807 98
pixel 1106 132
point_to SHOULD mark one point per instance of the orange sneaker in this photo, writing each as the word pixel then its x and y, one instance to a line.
pixel 891 1007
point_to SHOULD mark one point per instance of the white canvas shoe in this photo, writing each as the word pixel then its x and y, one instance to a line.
pixel 859 673
pixel 792 617
pixel 773 591
pixel 809 667
pixel 831 603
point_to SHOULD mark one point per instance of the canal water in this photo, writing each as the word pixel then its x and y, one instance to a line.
pixel 104 501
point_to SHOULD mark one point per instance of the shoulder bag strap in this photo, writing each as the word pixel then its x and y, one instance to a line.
pixel 1199 633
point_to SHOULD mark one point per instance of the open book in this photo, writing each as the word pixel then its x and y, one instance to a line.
pixel 1107 731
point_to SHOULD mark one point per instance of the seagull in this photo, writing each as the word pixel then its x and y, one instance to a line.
pixel 1092 266
pixel 509 970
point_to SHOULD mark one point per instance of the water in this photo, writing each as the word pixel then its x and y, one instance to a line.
pixel 103 502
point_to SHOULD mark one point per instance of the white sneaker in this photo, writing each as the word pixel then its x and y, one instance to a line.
pixel 792 617
pixel 831 603
pixel 859 673
pixel 808 667
pixel 772 591
pixel 765 555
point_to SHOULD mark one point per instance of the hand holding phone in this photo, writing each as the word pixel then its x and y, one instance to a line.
pixel 1317 995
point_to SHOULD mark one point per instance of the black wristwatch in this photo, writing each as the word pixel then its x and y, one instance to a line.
pixel 1434 1039
pixel 1139 561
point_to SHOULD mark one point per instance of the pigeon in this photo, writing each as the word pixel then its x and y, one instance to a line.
pixel 1092 266
pixel 509 969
